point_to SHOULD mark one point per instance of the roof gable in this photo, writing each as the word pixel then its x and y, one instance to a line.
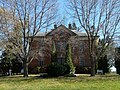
pixel 61 30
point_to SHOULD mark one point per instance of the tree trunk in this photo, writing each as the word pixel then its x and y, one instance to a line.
pixel 92 68
pixel 25 69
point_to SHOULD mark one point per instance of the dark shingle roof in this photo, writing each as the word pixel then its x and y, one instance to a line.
pixel 40 34
pixel 79 33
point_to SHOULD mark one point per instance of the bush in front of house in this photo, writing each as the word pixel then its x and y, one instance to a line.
pixel 55 69
pixel 43 69
pixel 117 65
pixel 117 60
pixel 82 70
pixel 67 71
pixel 34 70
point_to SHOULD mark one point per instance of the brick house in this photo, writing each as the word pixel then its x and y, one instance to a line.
pixel 60 36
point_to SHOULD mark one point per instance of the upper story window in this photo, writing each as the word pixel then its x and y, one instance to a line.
pixel 42 42
pixel 61 46
pixel 81 47
pixel 41 47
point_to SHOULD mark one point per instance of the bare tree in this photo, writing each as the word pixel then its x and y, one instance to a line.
pixel 97 18
pixel 32 16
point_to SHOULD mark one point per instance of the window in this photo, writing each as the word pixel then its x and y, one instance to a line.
pixel 81 62
pixel 42 49
pixel 61 33
pixel 58 46
pixel 41 52
pixel 42 43
pixel 81 47
pixel 60 60
pixel 61 46
pixel 41 62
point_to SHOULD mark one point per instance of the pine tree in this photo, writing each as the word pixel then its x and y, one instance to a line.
pixel 68 60
pixel 54 53
pixel 103 64
pixel 10 61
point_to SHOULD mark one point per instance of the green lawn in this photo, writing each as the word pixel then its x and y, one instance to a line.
pixel 82 82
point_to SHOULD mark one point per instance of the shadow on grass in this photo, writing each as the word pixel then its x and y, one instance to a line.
pixel 78 78
pixel 17 78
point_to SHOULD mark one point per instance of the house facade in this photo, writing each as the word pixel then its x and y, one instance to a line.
pixel 58 38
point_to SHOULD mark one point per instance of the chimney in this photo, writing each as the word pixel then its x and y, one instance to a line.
pixel 55 26
pixel 69 26
pixel 74 26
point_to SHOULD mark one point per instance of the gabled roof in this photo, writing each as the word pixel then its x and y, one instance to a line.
pixel 65 28
pixel 73 32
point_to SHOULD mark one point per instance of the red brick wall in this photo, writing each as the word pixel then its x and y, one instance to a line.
pixel 56 37
pixel 76 54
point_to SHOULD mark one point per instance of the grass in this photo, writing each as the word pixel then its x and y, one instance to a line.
pixel 82 82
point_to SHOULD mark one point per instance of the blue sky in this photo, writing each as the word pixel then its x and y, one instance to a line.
pixel 63 13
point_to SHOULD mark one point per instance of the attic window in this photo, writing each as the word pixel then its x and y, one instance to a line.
pixel 61 32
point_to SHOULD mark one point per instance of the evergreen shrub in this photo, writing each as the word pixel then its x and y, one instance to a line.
pixel 55 69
